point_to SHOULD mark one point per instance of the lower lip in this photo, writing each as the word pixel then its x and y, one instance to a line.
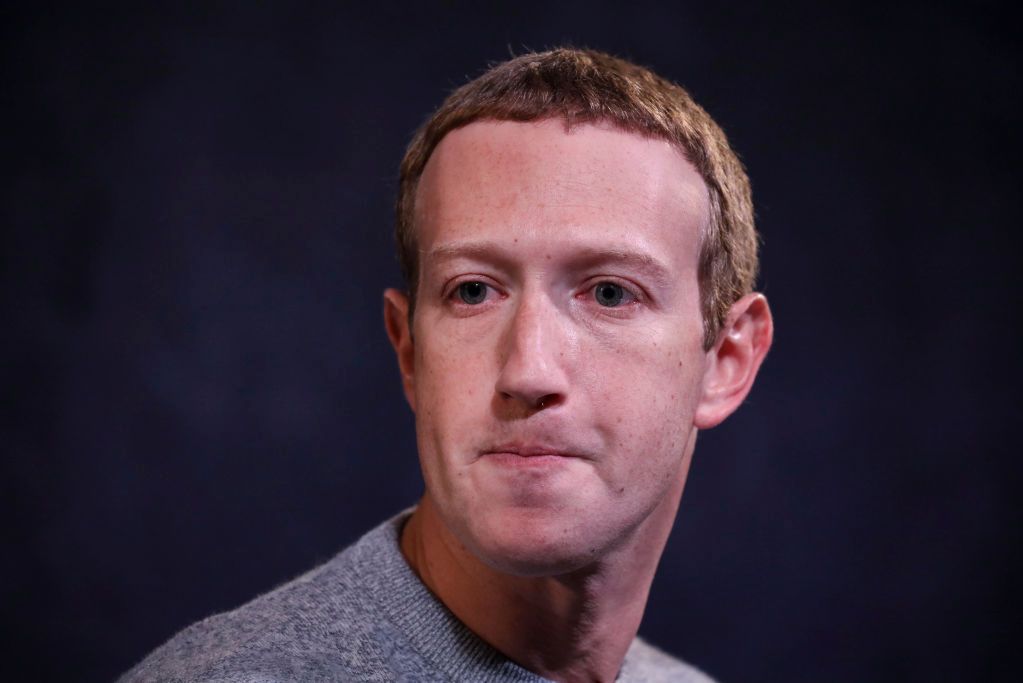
pixel 528 461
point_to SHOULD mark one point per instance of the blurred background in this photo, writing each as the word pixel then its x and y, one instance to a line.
pixel 199 402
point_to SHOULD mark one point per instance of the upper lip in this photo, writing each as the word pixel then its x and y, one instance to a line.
pixel 534 448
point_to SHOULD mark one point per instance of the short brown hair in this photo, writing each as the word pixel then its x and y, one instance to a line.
pixel 585 86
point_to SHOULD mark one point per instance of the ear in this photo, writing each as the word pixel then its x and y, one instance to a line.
pixel 733 362
pixel 397 323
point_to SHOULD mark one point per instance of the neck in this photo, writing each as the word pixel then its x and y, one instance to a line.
pixel 570 627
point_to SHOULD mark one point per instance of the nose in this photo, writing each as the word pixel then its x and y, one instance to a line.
pixel 532 374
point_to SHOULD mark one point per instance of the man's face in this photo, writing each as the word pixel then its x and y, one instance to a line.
pixel 557 358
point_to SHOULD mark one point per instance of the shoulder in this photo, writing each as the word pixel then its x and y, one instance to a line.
pixel 645 663
pixel 324 625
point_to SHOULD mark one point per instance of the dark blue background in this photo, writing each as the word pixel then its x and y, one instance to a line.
pixel 199 401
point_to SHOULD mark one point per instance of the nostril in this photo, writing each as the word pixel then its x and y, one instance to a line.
pixel 546 401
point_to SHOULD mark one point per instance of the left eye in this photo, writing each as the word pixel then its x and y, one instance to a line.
pixel 609 294
pixel 472 293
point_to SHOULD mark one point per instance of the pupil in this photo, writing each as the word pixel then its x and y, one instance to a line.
pixel 472 292
pixel 609 294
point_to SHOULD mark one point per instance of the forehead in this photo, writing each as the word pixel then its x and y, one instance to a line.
pixel 544 181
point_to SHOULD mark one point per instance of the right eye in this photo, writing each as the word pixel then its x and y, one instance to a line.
pixel 473 292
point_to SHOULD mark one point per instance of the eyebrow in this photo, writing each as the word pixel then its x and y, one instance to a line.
pixel 584 256
pixel 471 249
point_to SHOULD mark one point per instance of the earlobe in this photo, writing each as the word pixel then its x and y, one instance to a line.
pixel 396 321
pixel 733 362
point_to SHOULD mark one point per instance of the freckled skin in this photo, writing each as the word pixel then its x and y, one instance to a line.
pixel 558 312
pixel 624 383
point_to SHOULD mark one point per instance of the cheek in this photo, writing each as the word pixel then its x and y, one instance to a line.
pixel 451 378
pixel 651 376
pixel 645 398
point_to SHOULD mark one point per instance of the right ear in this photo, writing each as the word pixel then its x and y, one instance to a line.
pixel 398 331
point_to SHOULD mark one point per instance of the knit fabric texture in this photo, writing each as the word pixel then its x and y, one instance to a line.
pixel 362 616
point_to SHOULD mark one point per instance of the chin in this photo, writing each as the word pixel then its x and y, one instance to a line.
pixel 532 545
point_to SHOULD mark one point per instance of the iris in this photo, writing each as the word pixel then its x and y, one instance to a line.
pixel 472 292
pixel 608 294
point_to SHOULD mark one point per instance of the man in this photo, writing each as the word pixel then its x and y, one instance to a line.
pixel 578 244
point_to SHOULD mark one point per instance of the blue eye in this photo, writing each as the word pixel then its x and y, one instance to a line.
pixel 472 293
pixel 608 294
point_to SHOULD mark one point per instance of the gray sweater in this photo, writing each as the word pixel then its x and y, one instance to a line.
pixel 362 616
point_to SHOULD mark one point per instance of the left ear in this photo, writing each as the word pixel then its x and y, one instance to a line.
pixel 733 362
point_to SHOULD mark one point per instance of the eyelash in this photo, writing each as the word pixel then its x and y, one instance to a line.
pixel 630 290
pixel 452 293
pixel 632 294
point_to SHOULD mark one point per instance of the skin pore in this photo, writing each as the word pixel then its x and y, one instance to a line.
pixel 558 378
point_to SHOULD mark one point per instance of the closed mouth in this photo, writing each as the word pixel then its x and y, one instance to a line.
pixel 533 450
